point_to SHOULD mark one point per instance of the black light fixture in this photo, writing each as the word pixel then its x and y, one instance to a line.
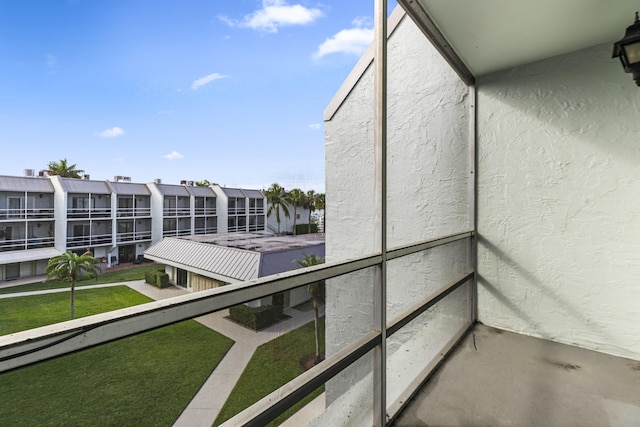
pixel 628 50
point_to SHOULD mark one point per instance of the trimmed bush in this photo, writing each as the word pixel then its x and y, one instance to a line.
pixel 157 278
pixel 278 304
pixel 255 318
pixel 304 228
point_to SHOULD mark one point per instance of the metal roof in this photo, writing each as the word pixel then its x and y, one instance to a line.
pixel 28 255
pixel 254 194
pixel 202 191
pixel 225 261
pixel 75 185
pixel 19 183
pixel 129 188
pixel 234 192
pixel 173 190
pixel 237 256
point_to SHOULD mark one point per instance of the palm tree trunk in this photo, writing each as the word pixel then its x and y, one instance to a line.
pixel 73 287
pixel 294 219
pixel 317 332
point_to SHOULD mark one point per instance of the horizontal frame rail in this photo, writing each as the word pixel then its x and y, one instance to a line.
pixel 269 407
pixel 420 307
pixel 35 345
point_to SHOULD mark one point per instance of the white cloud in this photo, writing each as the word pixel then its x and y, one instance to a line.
pixel 275 14
pixel 206 80
pixel 51 60
pixel 111 133
pixel 352 41
pixel 173 156
pixel 314 126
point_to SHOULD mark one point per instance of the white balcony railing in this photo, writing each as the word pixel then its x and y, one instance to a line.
pixel 90 240
pixel 33 346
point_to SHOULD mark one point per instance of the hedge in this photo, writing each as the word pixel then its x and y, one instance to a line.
pixel 304 228
pixel 157 278
pixel 255 318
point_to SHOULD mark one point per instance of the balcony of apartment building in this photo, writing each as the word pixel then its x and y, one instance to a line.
pixel 133 230
pixel 256 204
pixel 24 235
pixel 505 195
pixel 205 225
pixel 89 233
pixel 237 206
pixel 172 227
pixel 236 223
pixel 26 205
pixel 256 222
pixel 132 205
pixel 88 206
pixel 174 206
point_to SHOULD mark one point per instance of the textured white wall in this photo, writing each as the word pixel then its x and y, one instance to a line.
pixel 428 171
pixel 559 202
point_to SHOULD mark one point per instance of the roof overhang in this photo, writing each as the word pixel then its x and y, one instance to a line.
pixel 28 255
pixel 493 35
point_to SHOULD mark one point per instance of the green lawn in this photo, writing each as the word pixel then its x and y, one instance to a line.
pixel 145 380
pixel 135 273
pixel 28 312
pixel 273 365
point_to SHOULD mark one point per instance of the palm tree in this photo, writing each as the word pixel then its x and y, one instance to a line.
pixel 310 204
pixel 69 266
pixel 63 169
pixel 277 198
pixel 320 204
pixel 297 198
pixel 316 290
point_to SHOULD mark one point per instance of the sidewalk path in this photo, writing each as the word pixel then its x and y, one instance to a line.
pixel 207 403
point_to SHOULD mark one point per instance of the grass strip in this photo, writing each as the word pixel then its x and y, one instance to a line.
pixel 273 365
pixel 28 312
pixel 126 275
pixel 144 380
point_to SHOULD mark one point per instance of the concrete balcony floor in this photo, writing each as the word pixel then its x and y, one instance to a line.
pixel 515 380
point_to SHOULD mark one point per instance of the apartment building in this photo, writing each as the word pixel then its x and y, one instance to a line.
pixel 510 199
pixel 41 217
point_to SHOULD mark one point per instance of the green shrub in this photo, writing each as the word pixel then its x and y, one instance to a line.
pixel 278 304
pixel 157 278
pixel 253 317
pixel 304 228
pixel 162 279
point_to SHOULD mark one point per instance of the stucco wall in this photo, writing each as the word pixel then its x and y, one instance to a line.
pixel 428 171
pixel 559 202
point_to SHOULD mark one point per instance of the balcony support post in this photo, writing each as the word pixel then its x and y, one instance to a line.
pixel 380 211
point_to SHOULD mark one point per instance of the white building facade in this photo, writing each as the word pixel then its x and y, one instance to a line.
pixel 41 217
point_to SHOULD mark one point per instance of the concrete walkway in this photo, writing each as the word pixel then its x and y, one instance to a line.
pixel 207 403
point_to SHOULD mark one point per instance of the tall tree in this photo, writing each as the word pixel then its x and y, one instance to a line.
pixel 64 169
pixel 319 205
pixel 277 198
pixel 297 198
pixel 69 266
pixel 203 183
pixel 316 290
pixel 310 204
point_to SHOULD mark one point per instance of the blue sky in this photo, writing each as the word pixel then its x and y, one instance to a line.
pixel 230 91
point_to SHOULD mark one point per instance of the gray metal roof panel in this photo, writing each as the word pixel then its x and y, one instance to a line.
pixel 130 188
pixel 234 192
pixel 75 185
pixel 255 194
pixel 221 260
pixel 173 190
pixel 200 191
pixel 20 183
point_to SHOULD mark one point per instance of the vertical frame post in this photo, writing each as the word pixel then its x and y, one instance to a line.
pixel 473 199
pixel 380 211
